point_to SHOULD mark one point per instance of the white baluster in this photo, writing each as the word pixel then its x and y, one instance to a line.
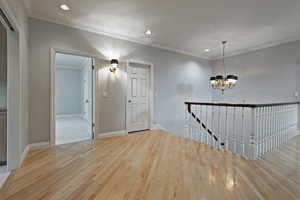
pixel 212 127
pixel 200 125
pixel 280 126
pixel 263 147
pixel 218 133
pixel 286 123
pixel 256 132
pixel 276 127
pixel 189 124
pixel 271 128
pixel 192 123
pixel 233 130
pixel 206 124
pixel 196 133
pixel 266 131
pixel 283 124
pixel 243 131
pixel 252 134
pixel 259 133
pixel 225 128
pixel 262 131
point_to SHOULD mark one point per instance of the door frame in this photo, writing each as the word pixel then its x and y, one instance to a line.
pixel 151 92
pixel 53 52
pixel 14 94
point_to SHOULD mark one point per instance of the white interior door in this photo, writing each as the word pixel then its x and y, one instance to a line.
pixel 87 93
pixel 138 112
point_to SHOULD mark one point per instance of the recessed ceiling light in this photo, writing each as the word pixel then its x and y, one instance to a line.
pixel 148 32
pixel 64 7
pixel 207 50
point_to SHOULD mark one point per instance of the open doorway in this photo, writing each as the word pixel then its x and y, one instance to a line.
pixel 73 98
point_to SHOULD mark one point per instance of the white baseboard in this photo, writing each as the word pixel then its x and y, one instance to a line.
pixel 39 145
pixel 24 154
pixel 3 178
pixel 158 127
pixel 112 134
pixel 294 133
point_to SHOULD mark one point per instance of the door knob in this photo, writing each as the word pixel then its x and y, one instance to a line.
pixel 129 101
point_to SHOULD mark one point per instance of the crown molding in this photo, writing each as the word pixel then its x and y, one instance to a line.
pixel 256 48
pixel 120 37
pixel 210 58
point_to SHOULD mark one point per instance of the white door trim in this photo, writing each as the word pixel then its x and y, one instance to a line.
pixel 14 119
pixel 151 92
pixel 53 51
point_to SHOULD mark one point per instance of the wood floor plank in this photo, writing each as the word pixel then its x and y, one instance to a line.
pixel 153 165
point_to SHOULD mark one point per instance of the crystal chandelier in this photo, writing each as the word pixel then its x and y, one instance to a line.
pixel 221 82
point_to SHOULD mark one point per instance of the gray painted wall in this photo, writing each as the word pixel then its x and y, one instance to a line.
pixel 267 75
pixel 68 91
pixel 177 77
pixel 110 97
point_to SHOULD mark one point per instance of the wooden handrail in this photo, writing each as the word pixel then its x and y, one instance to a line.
pixel 241 105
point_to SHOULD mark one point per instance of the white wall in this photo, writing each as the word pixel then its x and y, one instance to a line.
pixel 110 97
pixel 177 77
pixel 265 76
pixel 68 89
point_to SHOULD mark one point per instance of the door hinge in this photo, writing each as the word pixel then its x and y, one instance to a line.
pixel 93 67
pixel 93 124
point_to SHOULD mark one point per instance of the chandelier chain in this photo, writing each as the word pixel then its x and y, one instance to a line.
pixel 223 58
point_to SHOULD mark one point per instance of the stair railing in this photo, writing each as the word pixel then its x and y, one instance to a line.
pixel 250 130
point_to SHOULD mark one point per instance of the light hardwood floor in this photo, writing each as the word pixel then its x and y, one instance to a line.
pixel 154 165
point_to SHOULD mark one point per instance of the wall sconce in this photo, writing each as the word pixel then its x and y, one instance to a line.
pixel 114 64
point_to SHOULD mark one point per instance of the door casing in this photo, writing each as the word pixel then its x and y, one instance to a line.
pixel 14 90
pixel 151 91
pixel 53 52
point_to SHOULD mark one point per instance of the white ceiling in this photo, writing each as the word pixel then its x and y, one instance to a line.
pixel 187 26
pixel 68 60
